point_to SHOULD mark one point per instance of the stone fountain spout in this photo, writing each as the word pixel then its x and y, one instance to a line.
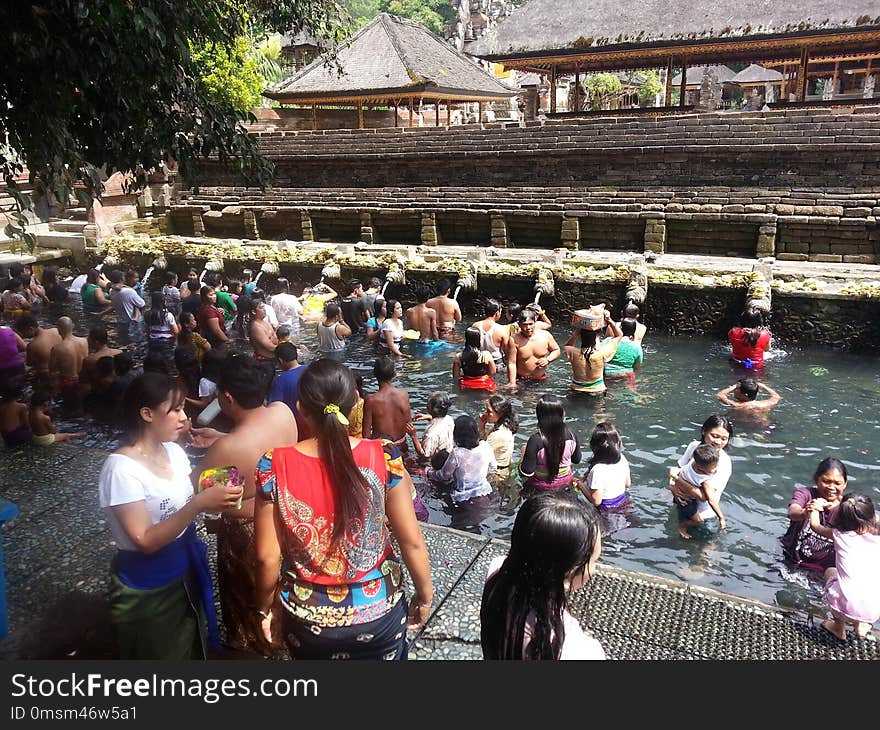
pixel 270 268
pixel 760 293
pixel 545 285
pixel 467 280
pixel 637 283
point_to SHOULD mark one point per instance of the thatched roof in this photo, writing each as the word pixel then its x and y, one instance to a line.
pixel 302 38
pixel 391 57
pixel 756 74
pixel 542 25
pixel 695 74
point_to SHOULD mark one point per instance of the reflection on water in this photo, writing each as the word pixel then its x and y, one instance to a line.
pixel 828 407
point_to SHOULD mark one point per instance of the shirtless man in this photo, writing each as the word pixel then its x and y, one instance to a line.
pixel 447 309
pixel 40 346
pixel 241 391
pixel 386 413
pixel 263 337
pixel 494 337
pixel 743 397
pixel 421 317
pixel 97 341
pixel 65 363
pixel 530 351
pixel 631 311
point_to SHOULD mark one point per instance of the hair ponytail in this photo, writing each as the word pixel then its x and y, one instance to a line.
pixel 551 424
pixel 327 391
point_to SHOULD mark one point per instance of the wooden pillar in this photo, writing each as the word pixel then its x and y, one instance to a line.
pixel 479 112
pixel 314 116
pixel 682 89
pixel 437 113
pixel 553 90
pixel 395 113
pixel 410 112
pixel 448 113
pixel 360 115
pixel 577 91
pixel 668 98
pixel 802 75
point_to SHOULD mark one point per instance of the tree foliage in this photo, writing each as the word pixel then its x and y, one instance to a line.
pixel 433 14
pixel 90 87
pixel 651 87
pixel 231 73
pixel 602 87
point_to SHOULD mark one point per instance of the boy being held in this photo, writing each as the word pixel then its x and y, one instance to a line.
pixel 697 471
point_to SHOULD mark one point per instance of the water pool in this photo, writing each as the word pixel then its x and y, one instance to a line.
pixel 828 408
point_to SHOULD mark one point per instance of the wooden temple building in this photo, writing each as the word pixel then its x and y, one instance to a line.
pixel 391 62
pixel 835 40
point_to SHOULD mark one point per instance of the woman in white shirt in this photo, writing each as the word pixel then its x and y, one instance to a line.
pixel 161 594
pixel 438 435
pixel 608 479
pixel 554 547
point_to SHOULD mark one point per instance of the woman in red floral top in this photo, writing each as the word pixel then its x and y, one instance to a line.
pixel 320 525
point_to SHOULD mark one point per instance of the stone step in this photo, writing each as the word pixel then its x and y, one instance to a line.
pixel 73 242
pixel 68 226
pixel 80 214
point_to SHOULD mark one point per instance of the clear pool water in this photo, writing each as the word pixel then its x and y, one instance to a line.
pixel 829 407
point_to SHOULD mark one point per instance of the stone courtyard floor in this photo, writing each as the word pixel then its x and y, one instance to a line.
pixel 60 542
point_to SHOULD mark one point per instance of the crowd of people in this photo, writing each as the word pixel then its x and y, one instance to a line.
pixel 306 478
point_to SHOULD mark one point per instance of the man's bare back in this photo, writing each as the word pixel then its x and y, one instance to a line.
pixel 260 430
pixel 40 347
pixel 387 413
pixel 87 373
pixel 67 356
pixel 424 319
pixel 447 309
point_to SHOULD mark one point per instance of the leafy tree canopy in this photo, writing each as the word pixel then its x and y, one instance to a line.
pixel 651 87
pixel 433 14
pixel 602 87
pixel 107 85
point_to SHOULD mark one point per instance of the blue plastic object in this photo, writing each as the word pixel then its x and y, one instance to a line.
pixel 7 511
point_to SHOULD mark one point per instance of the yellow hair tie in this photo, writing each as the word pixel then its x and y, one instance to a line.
pixel 334 409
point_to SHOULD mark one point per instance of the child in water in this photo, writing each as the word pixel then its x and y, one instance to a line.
pixel 701 467
pixel 42 428
pixel 852 587
pixel 608 478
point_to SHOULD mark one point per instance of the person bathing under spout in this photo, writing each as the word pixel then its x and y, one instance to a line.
pixel 447 309
pixel 530 351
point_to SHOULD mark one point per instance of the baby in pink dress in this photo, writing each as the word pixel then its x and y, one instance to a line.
pixel 852 587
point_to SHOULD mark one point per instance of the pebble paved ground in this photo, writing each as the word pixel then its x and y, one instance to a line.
pixel 60 543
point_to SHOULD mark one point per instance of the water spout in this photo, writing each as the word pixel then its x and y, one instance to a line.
pixel 455 293
pixel 384 287
pixel 467 279
pixel 544 284
pixel 149 271
pixel 396 275
pixel 108 261
pixel 214 265
pixel 538 297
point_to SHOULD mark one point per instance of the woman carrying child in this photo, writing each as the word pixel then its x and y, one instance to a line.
pixel 549 453
pixel 554 548
pixel 852 586
pixel 468 465
pixel 472 365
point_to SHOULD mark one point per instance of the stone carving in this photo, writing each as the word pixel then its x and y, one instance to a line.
pixel 710 91
pixel 637 285
pixel 869 86
pixel 760 293
pixel 828 90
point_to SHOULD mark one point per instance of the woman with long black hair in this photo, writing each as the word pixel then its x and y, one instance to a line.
pixel 549 453
pixel 554 547
pixel 322 506
pixel 750 340
pixel 162 329
pixel 474 366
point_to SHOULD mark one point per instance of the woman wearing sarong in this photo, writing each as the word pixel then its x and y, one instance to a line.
pixel 161 597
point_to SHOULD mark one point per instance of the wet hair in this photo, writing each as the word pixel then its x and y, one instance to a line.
pixel 525 315
pixel 423 293
pixel 245 380
pixel 390 306
pixel 438 459
pixel 122 363
pixel 116 276
pixel 104 366
pixel 98 333
pixel 588 342
pixel 92 276
pixel 752 323
pixel 131 275
pixel 354 284
pixel 41 397
pixel 630 311
pixel 380 306
pixel 212 364
pixel 25 323
pixel 188 369
pixel 383 369
pixel 158 311
pixel 551 425
pixel 438 404
pixel 470 355
pixel 204 292
pixel 628 327
pixel 466 433
pixel 194 285
pixel 149 390
pixel 286 352
pixel 374 283
pixel 491 308
pixel 282 285
pixel 155 362
pixel 504 408
pixel 856 514
pixel 829 464
pixel 324 383
pixel 256 303
pixel 442 287
pixel 606 445
pixel 170 276
pixel 513 310
pixel 331 310
pixel 552 541
pixel 749 388
pixel 706 456
pixel 713 422
pixel 282 332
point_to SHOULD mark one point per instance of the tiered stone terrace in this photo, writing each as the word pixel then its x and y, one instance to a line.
pixel 798 184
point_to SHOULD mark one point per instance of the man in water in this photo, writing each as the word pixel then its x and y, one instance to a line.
pixel 743 397
pixel 387 412
pixel 530 351
pixel 263 338
pixel 128 306
pixel 42 340
pixel 241 391
pixel 494 337
pixel 285 387
pixel 447 309
pixel 631 311
pixel 65 363
pixel 421 317
pixel 97 341
pixel 353 307
pixel 370 295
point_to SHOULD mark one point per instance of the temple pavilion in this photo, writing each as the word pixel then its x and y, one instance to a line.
pixel 391 62
pixel 835 42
